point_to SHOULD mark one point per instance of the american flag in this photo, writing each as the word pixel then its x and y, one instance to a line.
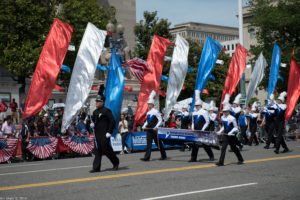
pixel 80 144
pixel 42 147
pixel 7 149
pixel 138 67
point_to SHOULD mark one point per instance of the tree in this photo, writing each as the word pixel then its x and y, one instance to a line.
pixel 24 26
pixel 277 21
pixel 145 30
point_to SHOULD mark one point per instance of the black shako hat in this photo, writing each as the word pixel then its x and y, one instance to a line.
pixel 100 98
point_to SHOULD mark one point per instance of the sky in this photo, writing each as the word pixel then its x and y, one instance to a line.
pixel 217 12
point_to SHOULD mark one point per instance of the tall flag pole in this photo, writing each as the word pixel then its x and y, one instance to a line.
pixel 114 88
pixel 151 79
pixel 209 55
pixel 293 91
pixel 274 71
pixel 256 76
pixel 48 67
pixel 178 70
pixel 236 68
pixel 83 72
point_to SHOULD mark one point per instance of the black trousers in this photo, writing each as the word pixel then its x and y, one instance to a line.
pixel 244 134
pixel 26 155
pixel 108 151
pixel 253 130
pixel 152 135
pixel 269 127
pixel 232 143
pixel 195 150
pixel 279 140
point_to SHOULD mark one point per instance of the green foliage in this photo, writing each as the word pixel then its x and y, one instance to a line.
pixel 278 22
pixel 145 30
pixel 24 26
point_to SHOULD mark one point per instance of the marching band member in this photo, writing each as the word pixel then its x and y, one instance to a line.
pixel 269 121
pixel 235 111
pixel 279 124
pixel 253 125
pixel 153 121
pixel 229 128
pixel 243 124
pixel 212 116
pixel 200 122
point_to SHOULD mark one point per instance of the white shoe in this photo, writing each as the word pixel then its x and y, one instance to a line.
pixel 122 152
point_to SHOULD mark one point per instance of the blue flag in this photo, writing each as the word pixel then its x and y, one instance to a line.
pixel 209 55
pixel 114 88
pixel 274 71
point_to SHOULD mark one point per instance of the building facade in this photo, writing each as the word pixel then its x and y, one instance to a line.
pixel 198 32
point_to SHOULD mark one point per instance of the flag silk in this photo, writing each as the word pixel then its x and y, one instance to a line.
pixel 209 55
pixel 138 67
pixel 178 70
pixel 293 91
pixel 151 79
pixel 236 68
pixel 274 71
pixel 256 76
pixel 83 72
pixel 48 67
pixel 114 88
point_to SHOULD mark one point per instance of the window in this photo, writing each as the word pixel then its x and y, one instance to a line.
pixel 232 47
pixel 252 33
pixel 5 96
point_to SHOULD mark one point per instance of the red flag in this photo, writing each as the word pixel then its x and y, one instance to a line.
pixel 293 91
pixel 48 67
pixel 236 69
pixel 151 79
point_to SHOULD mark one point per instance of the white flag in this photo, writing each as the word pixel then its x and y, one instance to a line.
pixel 83 72
pixel 178 70
pixel 256 76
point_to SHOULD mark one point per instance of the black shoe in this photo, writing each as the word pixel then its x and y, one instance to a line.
pixel 163 158
pixel 230 150
pixel 276 151
pixel 144 159
pixel 115 167
pixel 192 160
pixel 94 171
pixel 219 164
pixel 211 158
pixel 240 162
pixel 285 151
pixel 266 147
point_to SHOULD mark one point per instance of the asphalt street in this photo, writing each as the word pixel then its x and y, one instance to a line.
pixel 265 175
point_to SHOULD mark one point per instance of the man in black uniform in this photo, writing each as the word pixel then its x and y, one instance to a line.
pixel 104 126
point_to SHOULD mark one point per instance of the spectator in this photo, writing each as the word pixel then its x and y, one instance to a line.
pixel 13 107
pixel 171 123
pixel 8 128
pixel 56 126
pixel 72 129
pixel 3 109
pixel 81 126
pixel 123 129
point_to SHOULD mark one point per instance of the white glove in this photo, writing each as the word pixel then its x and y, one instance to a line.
pixel 92 125
pixel 231 134
pixel 108 135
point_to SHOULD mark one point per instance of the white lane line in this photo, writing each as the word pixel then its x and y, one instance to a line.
pixel 200 191
pixel 16 165
pixel 44 170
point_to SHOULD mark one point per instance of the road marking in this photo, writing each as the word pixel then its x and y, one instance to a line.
pixel 78 180
pixel 200 191
pixel 44 170
pixel 16 165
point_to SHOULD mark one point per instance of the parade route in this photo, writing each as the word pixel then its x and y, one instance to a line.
pixel 174 178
